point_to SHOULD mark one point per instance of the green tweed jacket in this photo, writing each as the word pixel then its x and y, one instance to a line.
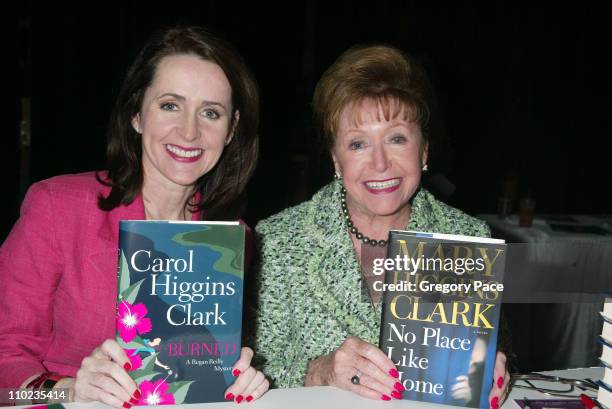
pixel 309 280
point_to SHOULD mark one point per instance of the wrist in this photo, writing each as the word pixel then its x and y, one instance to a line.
pixel 66 384
pixel 42 383
pixel 315 372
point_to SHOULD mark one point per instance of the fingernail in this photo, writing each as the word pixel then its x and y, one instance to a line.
pixel 126 405
pixel 137 394
pixel 229 396
pixel 495 402
pixel 127 366
pixel 239 398
pixel 385 397
pixel 133 401
pixel 500 382
pixel 399 387
pixel 393 372
pixel 396 395
pixel 249 398
pixel 236 372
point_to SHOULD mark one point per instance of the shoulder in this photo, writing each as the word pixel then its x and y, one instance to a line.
pixel 77 184
pixel 74 190
pixel 434 215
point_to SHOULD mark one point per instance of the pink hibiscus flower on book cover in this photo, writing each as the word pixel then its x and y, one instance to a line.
pixel 130 320
pixel 155 393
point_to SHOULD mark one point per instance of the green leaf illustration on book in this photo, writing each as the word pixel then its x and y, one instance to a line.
pixel 124 279
pixel 179 390
pixel 131 292
pixel 147 372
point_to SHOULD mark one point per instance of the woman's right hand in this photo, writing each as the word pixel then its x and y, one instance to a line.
pixel 103 377
pixel 377 374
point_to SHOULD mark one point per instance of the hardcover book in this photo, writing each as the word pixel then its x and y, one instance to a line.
pixel 606 352
pixel 606 330
pixel 607 309
pixel 179 307
pixel 604 395
pixel 440 316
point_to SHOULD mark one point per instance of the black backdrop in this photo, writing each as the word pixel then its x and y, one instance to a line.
pixel 523 89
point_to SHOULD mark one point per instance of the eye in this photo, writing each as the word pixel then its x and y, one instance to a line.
pixel 211 114
pixel 169 106
pixel 400 139
pixel 355 145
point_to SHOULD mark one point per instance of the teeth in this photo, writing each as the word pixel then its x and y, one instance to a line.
pixel 383 185
pixel 182 153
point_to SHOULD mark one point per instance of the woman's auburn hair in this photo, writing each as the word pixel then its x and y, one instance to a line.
pixel 379 72
pixel 222 186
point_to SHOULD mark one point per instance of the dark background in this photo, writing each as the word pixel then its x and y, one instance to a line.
pixel 523 91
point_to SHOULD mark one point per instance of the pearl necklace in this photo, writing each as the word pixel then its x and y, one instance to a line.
pixel 354 231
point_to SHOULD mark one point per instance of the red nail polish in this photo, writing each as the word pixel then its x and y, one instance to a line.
pixel 239 398
pixel 396 395
pixel 495 402
pixel 127 366
pixel 126 405
pixel 229 396
pixel 133 401
pixel 236 372
pixel 500 382
pixel 137 394
pixel 385 397
pixel 399 387
pixel 393 372
pixel 249 398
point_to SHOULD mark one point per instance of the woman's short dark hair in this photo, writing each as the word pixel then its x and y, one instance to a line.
pixel 223 184
pixel 378 72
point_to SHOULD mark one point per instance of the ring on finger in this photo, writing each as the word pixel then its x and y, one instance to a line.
pixel 356 378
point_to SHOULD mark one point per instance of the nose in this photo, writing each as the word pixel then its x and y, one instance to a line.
pixel 380 159
pixel 190 130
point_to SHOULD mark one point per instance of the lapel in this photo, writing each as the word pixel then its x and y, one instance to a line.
pixel 104 259
pixel 333 269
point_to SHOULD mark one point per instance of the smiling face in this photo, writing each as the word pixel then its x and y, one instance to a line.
pixel 379 155
pixel 186 120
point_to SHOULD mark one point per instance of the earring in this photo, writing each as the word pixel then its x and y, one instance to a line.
pixel 337 175
pixel 425 168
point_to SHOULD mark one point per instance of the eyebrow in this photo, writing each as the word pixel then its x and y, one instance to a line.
pixel 182 98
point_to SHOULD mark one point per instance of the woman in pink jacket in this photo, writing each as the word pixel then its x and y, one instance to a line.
pixel 182 144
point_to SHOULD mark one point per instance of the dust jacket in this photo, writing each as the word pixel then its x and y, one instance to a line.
pixel 179 307
pixel 440 317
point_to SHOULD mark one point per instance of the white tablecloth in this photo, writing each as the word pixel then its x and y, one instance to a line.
pixel 324 397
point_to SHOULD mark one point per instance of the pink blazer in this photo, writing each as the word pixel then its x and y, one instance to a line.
pixel 58 277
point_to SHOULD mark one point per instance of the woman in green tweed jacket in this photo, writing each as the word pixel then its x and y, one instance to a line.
pixel 313 328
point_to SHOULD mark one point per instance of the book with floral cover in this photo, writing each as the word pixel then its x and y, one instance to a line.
pixel 441 307
pixel 179 307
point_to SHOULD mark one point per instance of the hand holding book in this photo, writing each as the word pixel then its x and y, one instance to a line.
pixel 103 377
pixel 501 381
pixel 250 383
pixel 357 366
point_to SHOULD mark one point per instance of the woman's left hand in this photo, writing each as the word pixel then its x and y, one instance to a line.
pixel 501 380
pixel 250 383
